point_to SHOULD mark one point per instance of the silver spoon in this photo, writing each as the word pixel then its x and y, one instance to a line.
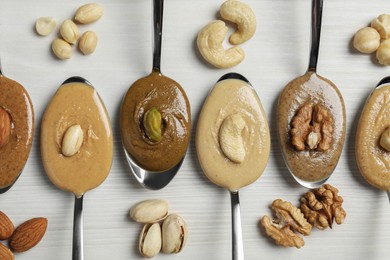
pixel 312 86
pixel 237 240
pixel 149 179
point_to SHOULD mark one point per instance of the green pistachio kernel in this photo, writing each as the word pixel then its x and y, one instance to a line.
pixel 152 124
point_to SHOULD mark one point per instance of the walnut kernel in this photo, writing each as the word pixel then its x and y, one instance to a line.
pixel 312 128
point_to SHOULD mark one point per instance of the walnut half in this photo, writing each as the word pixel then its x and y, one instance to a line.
pixel 312 128
pixel 322 206
pixel 288 219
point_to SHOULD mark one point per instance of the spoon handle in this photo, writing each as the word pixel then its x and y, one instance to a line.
pixel 77 250
pixel 237 243
pixel 158 7
pixel 316 17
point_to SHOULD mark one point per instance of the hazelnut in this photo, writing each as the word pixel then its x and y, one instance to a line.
pixel 366 40
pixel 383 52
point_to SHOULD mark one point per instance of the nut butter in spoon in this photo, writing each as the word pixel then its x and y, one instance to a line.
pixel 373 137
pixel 233 142
pixel 155 120
pixel 16 130
pixel 311 119
pixel 76 145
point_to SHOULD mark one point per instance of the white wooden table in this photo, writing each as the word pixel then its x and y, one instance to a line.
pixel 277 53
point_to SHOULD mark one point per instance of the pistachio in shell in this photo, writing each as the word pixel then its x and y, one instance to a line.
pixel 149 211
pixel 174 234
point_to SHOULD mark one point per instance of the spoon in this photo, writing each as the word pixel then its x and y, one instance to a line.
pixel 139 94
pixel 371 159
pixel 82 173
pixel 22 110
pixel 311 168
pixel 233 176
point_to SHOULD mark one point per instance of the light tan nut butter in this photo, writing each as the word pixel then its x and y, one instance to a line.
pixel 89 13
pixel 45 25
pixel 88 42
pixel 61 49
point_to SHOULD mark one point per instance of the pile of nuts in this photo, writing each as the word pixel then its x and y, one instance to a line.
pixel 376 37
pixel 319 208
pixel 21 239
pixel 211 37
pixel 70 32
pixel 161 231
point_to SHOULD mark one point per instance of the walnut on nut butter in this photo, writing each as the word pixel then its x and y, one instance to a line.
pixel 322 206
pixel 288 219
pixel 312 128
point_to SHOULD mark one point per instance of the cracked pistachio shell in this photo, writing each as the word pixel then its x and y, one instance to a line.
pixel 150 240
pixel 149 211
pixel 174 234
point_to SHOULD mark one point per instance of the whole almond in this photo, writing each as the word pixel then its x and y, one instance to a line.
pixel 5 127
pixel 89 13
pixel 6 226
pixel 28 234
pixel 72 140
pixel 5 253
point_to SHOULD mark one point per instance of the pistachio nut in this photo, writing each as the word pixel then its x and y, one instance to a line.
pixel 150 240
pixel 69 31
pixel 149 211
pixel 174 234
pixel 152 124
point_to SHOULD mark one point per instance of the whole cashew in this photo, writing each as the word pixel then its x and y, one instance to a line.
pixel 209 42
pixel 241 14
pixel 230 138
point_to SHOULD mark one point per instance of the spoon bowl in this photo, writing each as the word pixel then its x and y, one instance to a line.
pixel 317 107
pixel 155 163
pixel 233 95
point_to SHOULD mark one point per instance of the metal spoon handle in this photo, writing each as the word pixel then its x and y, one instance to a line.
pixel 237 243
pixel 316 17
pixel 158 7
pixel 77 250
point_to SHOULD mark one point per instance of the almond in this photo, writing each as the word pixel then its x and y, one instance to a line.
pixel 28 234
pixel 5 127
pixel 5 253
pixel 6 227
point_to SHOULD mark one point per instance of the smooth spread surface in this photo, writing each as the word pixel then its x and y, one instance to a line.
pixel 373 160
pixel 171 101
pixel 77 103
pixel 311 165
pixel 232 96
pixel 13 156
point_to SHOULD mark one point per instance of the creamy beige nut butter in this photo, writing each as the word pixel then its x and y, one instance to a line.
pixel 372 159
pixel 229 98
pixel 77 104
pixel 311 165
pixel 16 103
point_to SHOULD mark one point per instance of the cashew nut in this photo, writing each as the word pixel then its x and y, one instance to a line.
pixel 385 140
pixel 383 52
pixel 382 25
pixel 242 15
pixel 210 40
pixel 366 40
pixel 230 138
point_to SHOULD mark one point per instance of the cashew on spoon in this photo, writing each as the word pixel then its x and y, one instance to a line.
pixel 210 40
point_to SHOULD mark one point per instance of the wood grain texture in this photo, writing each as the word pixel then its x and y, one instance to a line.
pixel 275 55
